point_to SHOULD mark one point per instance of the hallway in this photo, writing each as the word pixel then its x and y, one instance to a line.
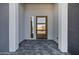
pixel 36 47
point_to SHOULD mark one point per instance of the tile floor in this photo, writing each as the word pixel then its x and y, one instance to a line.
pixel 36 47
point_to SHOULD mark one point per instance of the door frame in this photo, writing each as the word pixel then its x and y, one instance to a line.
pixel 46 26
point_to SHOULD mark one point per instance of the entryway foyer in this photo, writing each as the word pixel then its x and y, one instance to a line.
pixel 16 27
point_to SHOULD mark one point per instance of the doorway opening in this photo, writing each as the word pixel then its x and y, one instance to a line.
pixel 38 27
pixel 41 27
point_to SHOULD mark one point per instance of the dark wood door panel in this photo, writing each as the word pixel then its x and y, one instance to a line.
pixel 41 36
pixel 41 27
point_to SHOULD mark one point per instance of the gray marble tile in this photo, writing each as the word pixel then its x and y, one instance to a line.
pixel 36 47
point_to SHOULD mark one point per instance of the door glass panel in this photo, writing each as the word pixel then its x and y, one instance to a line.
pixel 32 26
pixel 41 27
pixel 41 32
pixel 41 20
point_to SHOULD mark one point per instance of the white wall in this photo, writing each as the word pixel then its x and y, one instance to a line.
pixel 55 22
pixel 13 27
pixel 41 10
pixel 21 22
pixel 63 26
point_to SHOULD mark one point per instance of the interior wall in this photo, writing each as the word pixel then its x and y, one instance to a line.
pixel 41 10
pixel 55 22
pixel 63 27
pixel 13 27
pixel 21 22
pixel 16 25
pixel 73 28
pixel 4 27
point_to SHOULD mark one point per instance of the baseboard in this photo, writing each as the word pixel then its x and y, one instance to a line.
pixel 30 39
pixel 48 39
pixel 54 39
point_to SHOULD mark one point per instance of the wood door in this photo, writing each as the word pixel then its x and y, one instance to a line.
pixel 41 27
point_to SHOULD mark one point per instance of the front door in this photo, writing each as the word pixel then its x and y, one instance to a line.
pixel 41 27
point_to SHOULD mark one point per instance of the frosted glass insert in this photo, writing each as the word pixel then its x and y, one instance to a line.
pixel 41 20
